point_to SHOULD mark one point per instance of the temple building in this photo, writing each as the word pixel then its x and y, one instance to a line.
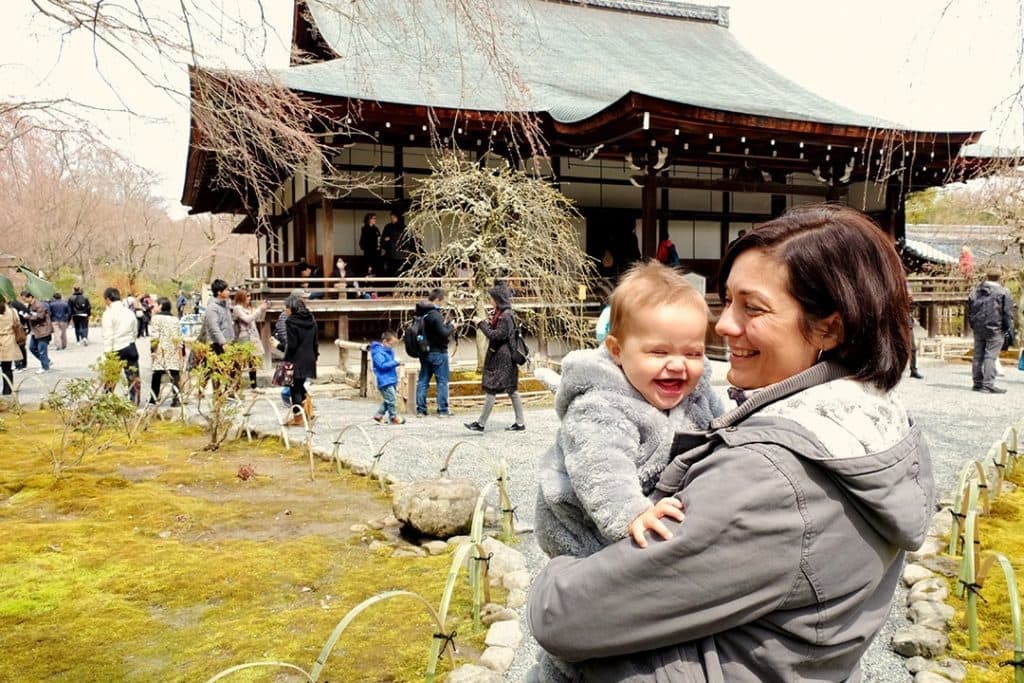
pixel 649 114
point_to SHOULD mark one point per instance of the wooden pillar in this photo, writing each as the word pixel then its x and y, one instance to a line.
pixel 399 177
pixel 723 231
pixel 343 327
pixel 663 212
pixel 649 209
pixel 310 230
pixel 778 200
pixel 328 247
pixel 895 210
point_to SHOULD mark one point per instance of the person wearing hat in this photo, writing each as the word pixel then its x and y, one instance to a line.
pixel 501 374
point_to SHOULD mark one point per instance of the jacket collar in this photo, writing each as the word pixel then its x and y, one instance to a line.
pixel 820 373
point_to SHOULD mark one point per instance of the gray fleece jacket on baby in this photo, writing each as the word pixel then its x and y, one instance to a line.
pixel 611 447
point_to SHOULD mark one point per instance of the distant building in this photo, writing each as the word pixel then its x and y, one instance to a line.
pixel 990 244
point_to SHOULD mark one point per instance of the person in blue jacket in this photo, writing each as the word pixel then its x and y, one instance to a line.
pixel 385 369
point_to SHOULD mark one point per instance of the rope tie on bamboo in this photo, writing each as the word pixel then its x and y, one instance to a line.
pixel 447 639
pixel 512 511
pixel 974 588
pixel 957 515
pixel 378 455
pixel 486 561
pixel 444 470
pixel 1011 451
pixel 1013 663
pixel 999 465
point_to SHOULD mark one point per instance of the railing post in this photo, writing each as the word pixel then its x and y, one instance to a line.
pixel 364 365
pixel 411 376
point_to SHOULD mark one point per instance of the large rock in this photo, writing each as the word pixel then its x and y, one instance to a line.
pixel 929 677
pixel 932 546
pixel 436 507
pixel 504 560
pixel 497 658
pixel 918 641
pixel 942 564
pixel 504 634
pixel 941 524
pixel 913 573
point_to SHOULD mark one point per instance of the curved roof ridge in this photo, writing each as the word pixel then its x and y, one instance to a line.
pixel 716 14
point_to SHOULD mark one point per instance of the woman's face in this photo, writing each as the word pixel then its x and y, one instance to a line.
pixel 761 323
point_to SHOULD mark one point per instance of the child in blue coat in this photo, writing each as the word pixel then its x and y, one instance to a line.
pixel 385 368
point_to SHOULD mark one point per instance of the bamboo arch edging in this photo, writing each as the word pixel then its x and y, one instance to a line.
pixel 378 456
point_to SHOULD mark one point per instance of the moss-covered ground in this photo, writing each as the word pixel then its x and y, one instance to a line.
pixel 159 563
pixel 1001 531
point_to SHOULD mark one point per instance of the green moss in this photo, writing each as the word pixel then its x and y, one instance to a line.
pixel 1002 531
pixel 156 562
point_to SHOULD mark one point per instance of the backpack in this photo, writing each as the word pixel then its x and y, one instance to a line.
pixel 673 256
pixel 517 347
pixel 415 338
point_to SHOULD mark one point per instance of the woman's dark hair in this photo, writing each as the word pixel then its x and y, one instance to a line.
pixel 165 304
pixel 367 217
pixel 839 261
pixel 111 294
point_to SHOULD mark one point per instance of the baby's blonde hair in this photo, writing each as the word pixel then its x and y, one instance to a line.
pixel 646 285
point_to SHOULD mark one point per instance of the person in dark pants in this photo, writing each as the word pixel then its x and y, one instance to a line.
pixel 81 309
pixel 119 334
pixel 60 314
pixel 369 241
pixel 501 374
pixel 301 350
pixel 990 314
pixel 435 363
pixel 913 342
pixel 10 353
pixel 22 312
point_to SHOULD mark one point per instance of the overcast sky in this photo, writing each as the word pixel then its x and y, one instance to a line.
pixel 929 64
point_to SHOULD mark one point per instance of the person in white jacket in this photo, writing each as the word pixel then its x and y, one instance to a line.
pixel 119 333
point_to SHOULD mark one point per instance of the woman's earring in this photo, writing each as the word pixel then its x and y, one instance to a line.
pixel 820 351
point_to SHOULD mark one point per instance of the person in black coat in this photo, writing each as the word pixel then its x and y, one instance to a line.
pixel 301 350
pixel 391 247
pixel 369 241
pixel 501 374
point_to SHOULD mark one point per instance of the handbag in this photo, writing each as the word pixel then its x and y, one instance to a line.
pixel 20 336
pixel 284 374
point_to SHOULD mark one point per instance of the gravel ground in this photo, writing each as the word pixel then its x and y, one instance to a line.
pixel 959 424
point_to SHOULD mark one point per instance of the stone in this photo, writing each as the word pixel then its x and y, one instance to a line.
pixel 360 469
pixel 934 590
pixel 455 541
pixel 377 524
pixel 436 507
pixel 519 579
pixel 435 547
pixel 915 641
pixel 409 552
pixel 915 664
pixel 472 673
pixel 913 573
pixel 359 528
pixel 503 614
pixel 950 668
pixel 942 523
pixel 504 634
pixel 929 677
pixel 942 564
pixel 492 516
pixel 516 598
pixel 505 560
pixel 497 658
pixel 932 546
pixel 377 545
pixel 931 614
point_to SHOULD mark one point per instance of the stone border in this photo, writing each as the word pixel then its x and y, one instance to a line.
pixel 925 576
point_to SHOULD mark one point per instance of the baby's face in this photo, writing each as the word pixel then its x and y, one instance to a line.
pixel 662 352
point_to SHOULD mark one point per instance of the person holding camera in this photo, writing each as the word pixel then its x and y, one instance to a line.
pixel 990 314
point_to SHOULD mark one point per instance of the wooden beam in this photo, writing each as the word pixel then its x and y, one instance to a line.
pixel 735 186
pixel 328 248
pixel 649 208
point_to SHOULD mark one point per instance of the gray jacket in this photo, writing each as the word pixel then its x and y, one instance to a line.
pixel 990 310
pixel 220 329
pixel 784 568
pixel 610 449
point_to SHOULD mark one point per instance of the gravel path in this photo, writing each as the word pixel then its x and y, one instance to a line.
pixel 959 425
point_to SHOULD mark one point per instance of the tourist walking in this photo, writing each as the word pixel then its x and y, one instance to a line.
pixel 246 330
pixel 10 353
pixel 385 370
pixel 990 314
pixel 435 362
pixel 119 333
pixel 501 374
pixel 60 314
pixel 81 310
pixel 168 351
pixel 301 350
pixel 181 302
pixel 22 312
pixel 40 330
pixel 818 464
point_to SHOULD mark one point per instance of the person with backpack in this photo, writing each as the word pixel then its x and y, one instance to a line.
pixel 501 373
pixel 81 309
pixel 667 252
pixel 60 314
pixel 433 355
pixel 990 314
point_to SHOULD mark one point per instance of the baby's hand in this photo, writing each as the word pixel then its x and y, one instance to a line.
pixel 650 519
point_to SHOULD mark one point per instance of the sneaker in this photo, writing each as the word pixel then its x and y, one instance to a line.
pixel 41 371
pixel 515 427
pixel 916 375
pixel 992 390
pixel 474 426
pixel 421 414
pixel 398 420
pixel 448 414
pixel 378 418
